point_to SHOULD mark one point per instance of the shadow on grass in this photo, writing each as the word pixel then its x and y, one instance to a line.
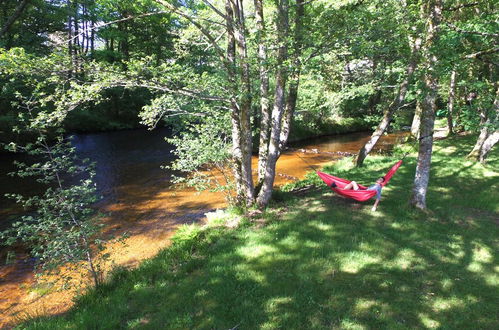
pixel 324 263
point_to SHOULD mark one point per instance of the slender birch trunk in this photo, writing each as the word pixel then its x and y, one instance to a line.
pixel 246 134
pixel 278 108
pixel 433 10
pixel 394 106
pixel 452 100
pixel 240 114
pixel 264 93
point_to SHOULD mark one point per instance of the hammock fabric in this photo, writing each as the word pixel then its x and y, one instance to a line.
pixel 360 195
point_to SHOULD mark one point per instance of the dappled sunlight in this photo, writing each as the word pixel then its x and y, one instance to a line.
pixel 428 322
pixel 407 258
pixel 443 304
pixel 253 252
pixel 353 262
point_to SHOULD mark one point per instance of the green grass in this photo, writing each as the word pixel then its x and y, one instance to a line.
pixel 321 261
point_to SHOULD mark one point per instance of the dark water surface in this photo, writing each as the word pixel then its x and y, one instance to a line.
pixel 122 158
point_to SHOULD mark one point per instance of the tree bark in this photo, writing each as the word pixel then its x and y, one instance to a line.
pixel 433 10
pixel 70 37
pixel 263 146
pixel 452 99
pixel 240 114
pixel 488 145
pixel 488 133
pixel 278 108
pixel 416 120
pixel 12 19
pixel 396 104
pixel 484 133
pixel 294 77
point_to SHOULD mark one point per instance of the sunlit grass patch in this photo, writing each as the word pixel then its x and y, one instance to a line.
pixel 352 262
pixel 428 322
pixel 407 258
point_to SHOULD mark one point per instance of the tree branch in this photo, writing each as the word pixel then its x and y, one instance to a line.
pixel 19 10
pixel 112 22
pixel 464 5
pixel 483 52
pixel 159 87
pixel 209 4
pixel 205 32
pixel 485 34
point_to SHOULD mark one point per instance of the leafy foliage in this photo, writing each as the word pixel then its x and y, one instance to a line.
pixel 61 228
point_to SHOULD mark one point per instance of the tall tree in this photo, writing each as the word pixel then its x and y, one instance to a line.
pixel 432 11
pixel 415 43
pixel 279 103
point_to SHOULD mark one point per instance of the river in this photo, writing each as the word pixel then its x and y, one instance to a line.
pixel 138 198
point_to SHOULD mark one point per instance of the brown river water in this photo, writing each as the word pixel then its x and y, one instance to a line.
pixel 139 199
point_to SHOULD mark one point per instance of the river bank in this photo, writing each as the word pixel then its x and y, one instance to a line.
pixel 140 200
pixel 316 260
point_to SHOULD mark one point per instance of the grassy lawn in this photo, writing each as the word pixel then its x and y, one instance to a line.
pixel 317 260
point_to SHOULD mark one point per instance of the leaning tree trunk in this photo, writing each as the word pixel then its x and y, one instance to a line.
pixel 265 111
pixel 484 133
pixel 488 145
pixel 278 109
pixel 488 134
pixel 396 104
pixel 452 100
pixel 294 78
pixel 422 177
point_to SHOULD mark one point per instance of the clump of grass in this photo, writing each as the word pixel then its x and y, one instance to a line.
pixel 322 261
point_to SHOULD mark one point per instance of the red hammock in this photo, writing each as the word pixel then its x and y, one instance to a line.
pixel 360 195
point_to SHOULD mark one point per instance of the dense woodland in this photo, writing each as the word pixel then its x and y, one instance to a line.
pixel 238 78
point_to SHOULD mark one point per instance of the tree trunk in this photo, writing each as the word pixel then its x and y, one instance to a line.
pixel 416 120
pixel 294 78
pixel 70 37
pixel 488 145
pixel 396 104
pixel 12 19
pixel 422 177
pixel 246 101
pixel 452 99
pixel 484 133
pixel 488 134
pixel 263 146
pixel 240 114
pixel 278 109
pixel 92 36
